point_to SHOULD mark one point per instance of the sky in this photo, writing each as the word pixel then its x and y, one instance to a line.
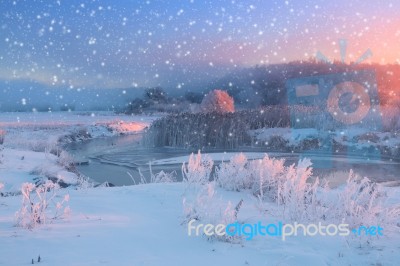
pixel 175 43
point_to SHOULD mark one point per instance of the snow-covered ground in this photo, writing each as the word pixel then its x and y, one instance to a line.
pixel 19 166
pixel 142 225
pixel 145 224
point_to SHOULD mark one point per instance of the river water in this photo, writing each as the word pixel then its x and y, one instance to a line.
pixel 118 159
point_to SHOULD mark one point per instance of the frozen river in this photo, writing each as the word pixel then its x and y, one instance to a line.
pixel 111 159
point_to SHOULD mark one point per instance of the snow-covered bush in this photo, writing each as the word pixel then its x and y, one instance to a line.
pixel 65 160
pixel 160 177
pixel 217 101
pixel 84 182
pixel 163 177
pixel 266 176
pixel 299 195
pixel 39 205
pixel 205 206
pixel 362 202
pixel 296 194
pixel 198 169
pixel 269 179
pixel 198 207
pixel 234 175
pixel 358 202
pixel 48 146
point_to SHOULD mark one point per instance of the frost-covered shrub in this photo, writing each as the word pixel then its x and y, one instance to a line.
pixel 160 177
pixel 205 207
pixel 234 175
pixel 270 179
pixel 39 205
pixel 217 101
pixel 359 199
pixel 48 146
pixel 65 160
pixel 163 177
pixel 266 175
pixel 198 169
pixel 299 195
pixel 84 182
pixel 362 202
pixel 81 133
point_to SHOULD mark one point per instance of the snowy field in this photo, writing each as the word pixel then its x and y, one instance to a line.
pixel 142 225
pixel 147 224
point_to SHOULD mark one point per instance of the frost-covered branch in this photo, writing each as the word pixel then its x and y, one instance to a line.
pixel 37 202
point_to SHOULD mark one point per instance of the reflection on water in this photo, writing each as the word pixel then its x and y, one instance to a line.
pixel 111 159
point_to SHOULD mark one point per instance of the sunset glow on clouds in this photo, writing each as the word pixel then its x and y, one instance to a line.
pixel 173 43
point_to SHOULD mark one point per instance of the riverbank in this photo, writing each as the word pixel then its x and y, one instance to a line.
pixel 33 143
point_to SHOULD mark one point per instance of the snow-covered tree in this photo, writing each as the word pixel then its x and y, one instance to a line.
pixel 217 101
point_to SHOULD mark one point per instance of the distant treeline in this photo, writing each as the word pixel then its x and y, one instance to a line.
pixel 265 85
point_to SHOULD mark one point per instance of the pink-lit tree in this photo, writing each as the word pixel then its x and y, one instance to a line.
pixel 217 101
